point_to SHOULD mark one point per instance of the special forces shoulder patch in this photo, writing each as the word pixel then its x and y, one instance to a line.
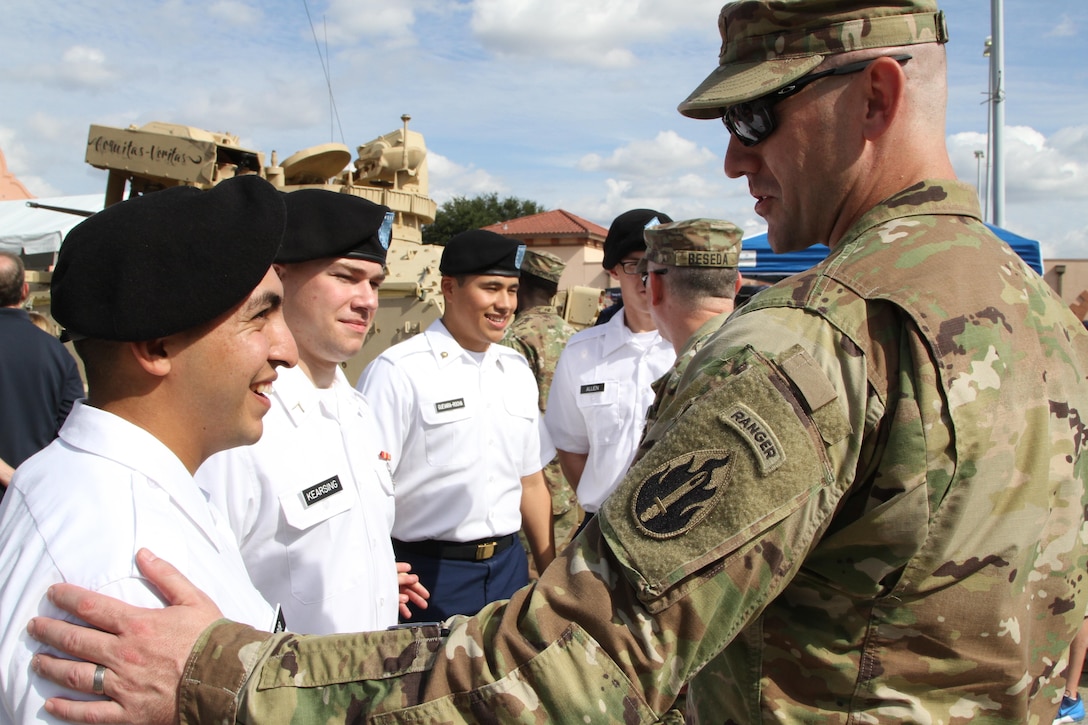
pixel 681 492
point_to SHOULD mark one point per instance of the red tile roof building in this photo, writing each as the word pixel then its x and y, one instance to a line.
pixel 579 242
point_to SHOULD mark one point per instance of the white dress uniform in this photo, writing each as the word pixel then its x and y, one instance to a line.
pixel 77 512
pixel 462 433
pixel 599 397
pixel 311 504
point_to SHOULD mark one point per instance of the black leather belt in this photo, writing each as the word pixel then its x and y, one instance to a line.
pixel 479 550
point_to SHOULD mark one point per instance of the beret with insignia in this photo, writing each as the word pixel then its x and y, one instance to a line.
pixel 625 234
pixel 481 252
pixel 323 223
pixel 167 261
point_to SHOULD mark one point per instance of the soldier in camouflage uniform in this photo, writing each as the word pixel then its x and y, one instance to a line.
pixel 539 333
pixel 691 278
pixel 865 502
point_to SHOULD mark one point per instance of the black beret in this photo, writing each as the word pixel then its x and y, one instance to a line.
pixel 167 261
pixel 625 234
pixel 481 252
pixel 323 223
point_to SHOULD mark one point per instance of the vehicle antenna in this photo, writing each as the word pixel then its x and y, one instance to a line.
pixel 334 114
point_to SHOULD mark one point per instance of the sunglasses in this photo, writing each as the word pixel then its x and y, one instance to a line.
pixel 753 121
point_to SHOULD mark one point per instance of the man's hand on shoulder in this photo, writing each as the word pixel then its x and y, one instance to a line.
pixel 143 651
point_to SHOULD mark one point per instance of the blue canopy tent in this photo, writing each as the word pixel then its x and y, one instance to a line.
pixel 757 259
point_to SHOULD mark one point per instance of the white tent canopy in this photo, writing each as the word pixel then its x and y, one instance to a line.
pixel 27 230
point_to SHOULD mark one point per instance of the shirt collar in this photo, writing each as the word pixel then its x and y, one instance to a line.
pixel 617 333
pixel 107 435
pixel 301 399
pixel 926 198
pixel 446 349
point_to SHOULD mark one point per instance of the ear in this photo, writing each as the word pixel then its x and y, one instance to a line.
pixel 280 270
pixel 447 286
pixel 739 284
pixel 613 273
pixel 885 87
pixel 152 356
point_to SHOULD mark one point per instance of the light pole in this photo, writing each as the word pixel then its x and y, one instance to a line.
pixel 986 47
pixel 997 106
pixel 979 155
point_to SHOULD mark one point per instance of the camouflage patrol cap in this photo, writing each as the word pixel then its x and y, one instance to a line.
pixel 767 44
pixel 545 265
pixel 694 243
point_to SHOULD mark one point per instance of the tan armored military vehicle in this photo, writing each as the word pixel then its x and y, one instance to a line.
pixel 390 170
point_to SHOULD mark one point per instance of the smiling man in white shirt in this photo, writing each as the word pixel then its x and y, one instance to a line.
pixel 312 502
pixel 175 310
pixel 458 415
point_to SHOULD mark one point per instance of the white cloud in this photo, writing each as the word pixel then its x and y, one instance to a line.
pixel 19 163
pixel 52 128
pixel 667 153
pixel 1046 184
pixel 1036 168
pixel 449 179
pixel 349 21
pixel 1072 142
pixel 597 34
pixel 238 108
pixel 79 67
pixel 1065 28
pixel 235 13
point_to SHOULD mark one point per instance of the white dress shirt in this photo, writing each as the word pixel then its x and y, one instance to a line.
pixel 461 432
pixel 599 397
pixel 311 504
pixel 77 512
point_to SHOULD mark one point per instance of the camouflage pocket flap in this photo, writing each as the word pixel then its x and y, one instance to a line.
pixel 336 659
pixel 740 458
pixel 570 681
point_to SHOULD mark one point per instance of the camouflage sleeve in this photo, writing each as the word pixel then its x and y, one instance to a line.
pixel 705 529
pixel 528 351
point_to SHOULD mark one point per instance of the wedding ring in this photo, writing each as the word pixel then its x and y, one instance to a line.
pixel 98 684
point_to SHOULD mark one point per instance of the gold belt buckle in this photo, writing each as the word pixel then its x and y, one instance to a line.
pixel 485 551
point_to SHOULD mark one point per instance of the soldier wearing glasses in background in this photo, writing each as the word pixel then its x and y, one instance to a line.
pixel 865 504
pixel 602 384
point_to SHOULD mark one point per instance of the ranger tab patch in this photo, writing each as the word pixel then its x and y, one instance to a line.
pixel 764 443
pixel 680 493
pixel 321 491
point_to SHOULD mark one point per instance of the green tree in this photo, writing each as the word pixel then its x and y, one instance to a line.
pixel 461 214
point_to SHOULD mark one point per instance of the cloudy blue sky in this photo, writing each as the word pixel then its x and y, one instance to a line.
pixel 570 103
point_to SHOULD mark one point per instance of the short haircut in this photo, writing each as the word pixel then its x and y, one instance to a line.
pixel 12 278
pixel 532 283
pixel 693 284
